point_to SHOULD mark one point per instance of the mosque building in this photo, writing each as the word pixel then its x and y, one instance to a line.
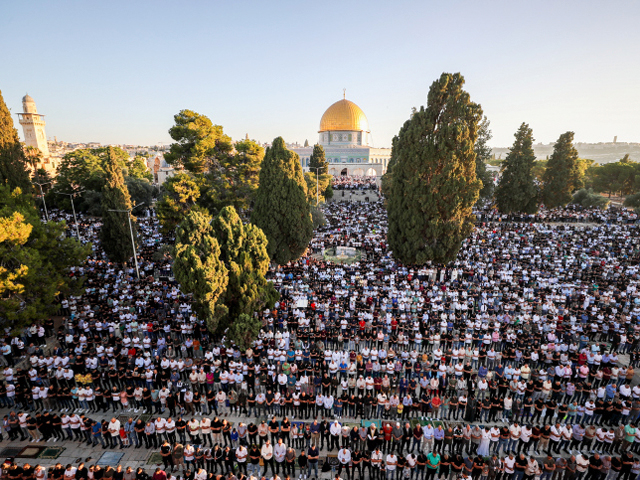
pixel 345 136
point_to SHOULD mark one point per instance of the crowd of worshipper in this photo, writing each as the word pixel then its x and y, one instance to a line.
pixel 354 182
pixel 525 347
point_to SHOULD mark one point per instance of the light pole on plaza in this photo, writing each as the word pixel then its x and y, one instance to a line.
pixel 133 242
pixel 73 207
pixel 317 169
pixel 46 214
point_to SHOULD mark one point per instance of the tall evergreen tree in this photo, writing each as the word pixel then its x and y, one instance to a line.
pixel 243 249
pixel 563 175
pixel 13 164
pixel 483 155
pixel 517 190
pixel 199 268
pixel 115 236
pixel 281 209
pixel 318 160
pixel 433 184
pixel 180 195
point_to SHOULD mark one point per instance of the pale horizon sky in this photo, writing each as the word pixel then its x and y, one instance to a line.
pixel 117 71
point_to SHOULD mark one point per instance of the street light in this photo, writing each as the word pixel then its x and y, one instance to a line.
pixel 133 243
pixel 46 214
pixel 317 169
pixel 73 207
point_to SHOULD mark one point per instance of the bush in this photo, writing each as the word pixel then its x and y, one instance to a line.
pixel 588 199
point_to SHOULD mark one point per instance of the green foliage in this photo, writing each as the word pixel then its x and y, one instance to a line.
pixel 433 183
pixel 243 249
pixel 244 330
pixel 517 190
pixel 328 192
pixel 281 208
pixel 539 167
pixel 563 175
pixel 483 155
pixel 199 143
pixel 622 177
pixel 588 199
pixel 35 259
pixel 318 217
pixel 198 266
pixel 180 193
pixel 140 190
pixel 115 236
pixel 85 169
pixel 233 179
pixel 633 201
pixel 318 160
pixel 138 169
pixel 13 164
pixel 92 203
pixel 223 263
pixel 323 183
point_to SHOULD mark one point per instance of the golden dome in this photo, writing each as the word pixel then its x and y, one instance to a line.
pixel 344 116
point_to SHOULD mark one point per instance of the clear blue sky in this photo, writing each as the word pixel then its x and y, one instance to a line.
pixel 117 71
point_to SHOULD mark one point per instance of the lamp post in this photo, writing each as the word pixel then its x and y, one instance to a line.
pixel 73 207
pixel 44 202
pixel 133 243
pixel 317 169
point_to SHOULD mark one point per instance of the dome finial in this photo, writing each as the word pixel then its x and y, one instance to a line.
pixel 344 93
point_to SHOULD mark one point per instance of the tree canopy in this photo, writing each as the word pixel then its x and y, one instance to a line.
pixel 13 164
pixel 483 155
pixel 517 190
pixel 281 208
pixel 433 184
pixel 563 175
pixel 318 160
pixel 180 193
pixel 35 261
pixel 198 142
pixel 115 236
pixel 199 268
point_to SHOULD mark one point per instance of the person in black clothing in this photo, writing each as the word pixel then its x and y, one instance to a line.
pixel 167 457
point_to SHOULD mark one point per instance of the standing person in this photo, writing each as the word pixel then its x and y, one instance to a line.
pixel 391 463
pixel 344 459
pixel 167 455
pixel 433 462
pixel 267 456
pixel 114 431
pixel 313 455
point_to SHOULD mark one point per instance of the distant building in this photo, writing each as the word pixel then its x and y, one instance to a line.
pixel 344 133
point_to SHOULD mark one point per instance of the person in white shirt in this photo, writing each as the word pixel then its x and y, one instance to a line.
pixel 267 456
pixel 391 464
pixel 114 431
pixel 279 452
pixel 344 460
pixel 241 457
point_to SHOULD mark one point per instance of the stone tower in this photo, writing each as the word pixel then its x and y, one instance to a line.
pixel 33 126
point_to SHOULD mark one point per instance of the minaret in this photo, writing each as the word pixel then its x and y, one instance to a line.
pixel 33 126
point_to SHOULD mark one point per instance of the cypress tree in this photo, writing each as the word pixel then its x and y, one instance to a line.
pixel 483 154
pixel 281 209
pixel 318 160
pixel 562 176
pixel 517 190
pixel 115 236
pixel 199 268
pixel 13 164
pixel 433 185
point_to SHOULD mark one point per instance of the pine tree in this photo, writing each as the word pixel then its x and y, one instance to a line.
pixel 281 209
pixel 517 190
pixel 563 175
pixel 13 164
pixel 317 160
pixel 180 195
pixel 115 236
pixel 199 268
pixel 433 184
